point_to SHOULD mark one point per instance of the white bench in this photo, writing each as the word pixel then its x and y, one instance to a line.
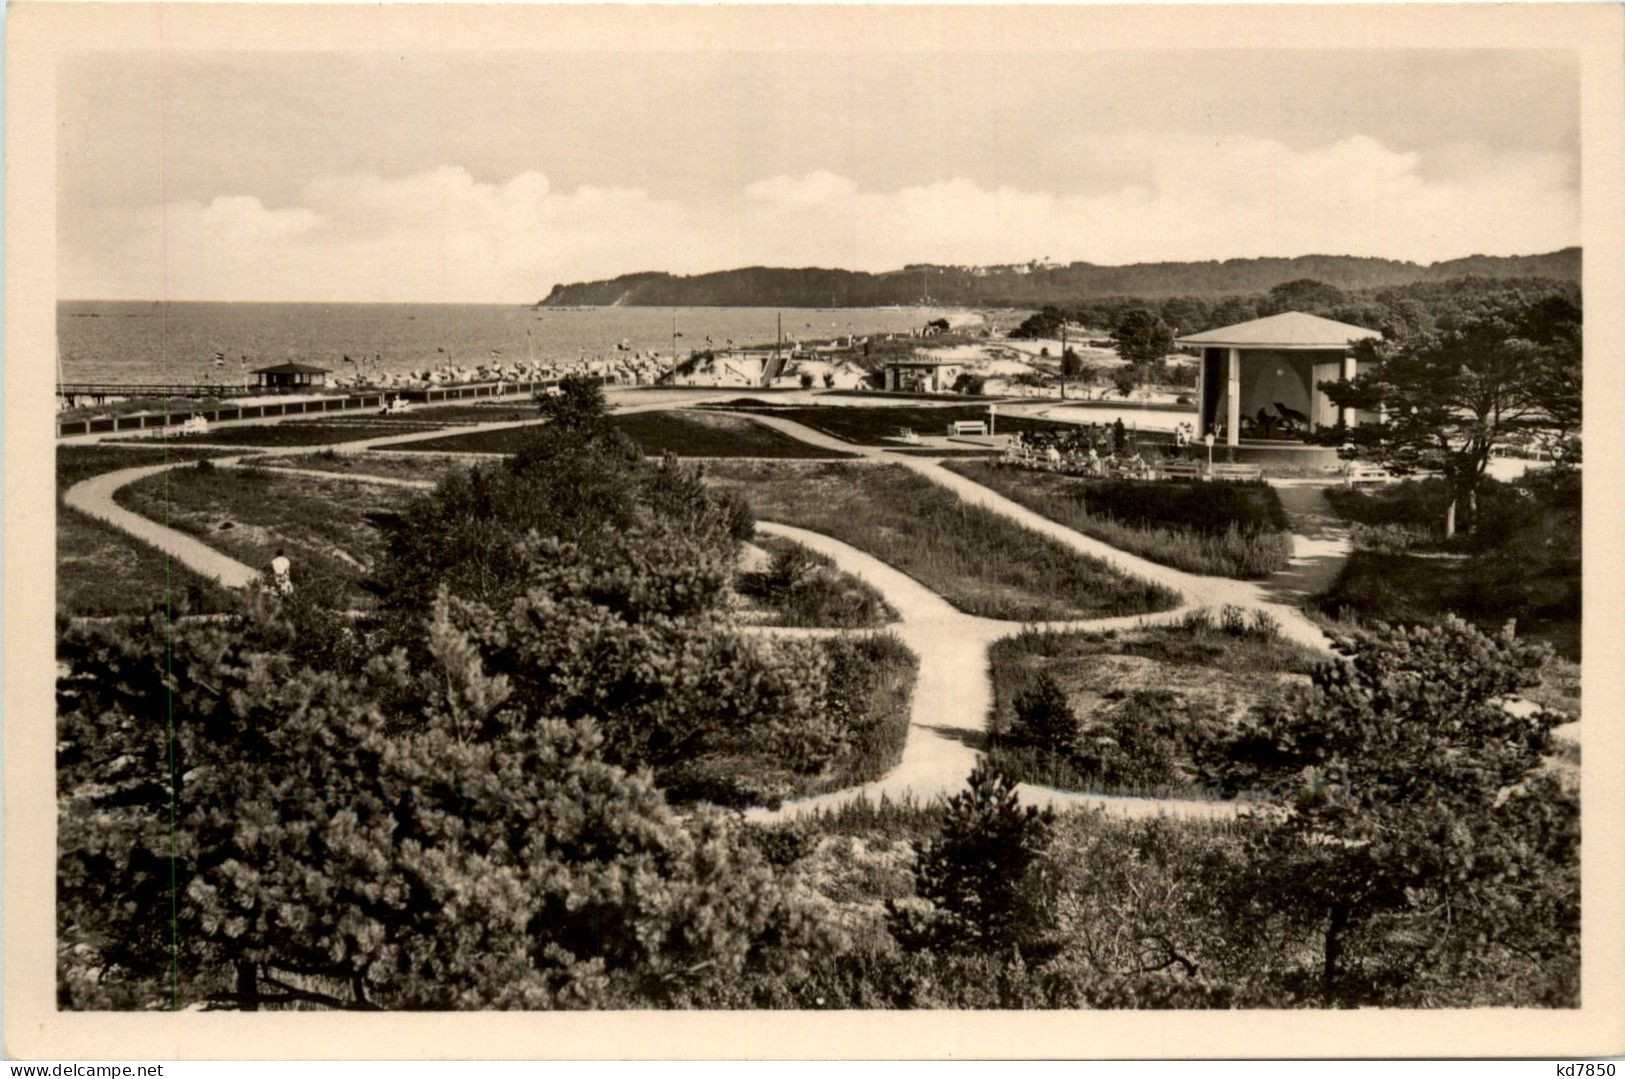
pixel 1182 470
pixel 968 427
pixel 195 425
pixel 1358 474
pixel 1236 473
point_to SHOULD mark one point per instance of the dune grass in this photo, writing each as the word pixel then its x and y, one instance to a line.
pixel 687 434
pixel 979 561
pixel 801 587
pixel 702 434
pixel 372 463
pixel 1221 529
pixel 877 425
pixel 1156 707
pixel 102 572
pixel 329 528
pixel 291 433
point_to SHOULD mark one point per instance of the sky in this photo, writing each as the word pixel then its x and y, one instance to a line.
pixel 356 176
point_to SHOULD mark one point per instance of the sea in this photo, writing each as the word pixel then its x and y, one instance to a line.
pixel 140 342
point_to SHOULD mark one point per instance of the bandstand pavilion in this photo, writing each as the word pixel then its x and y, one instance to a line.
pixel 1259 381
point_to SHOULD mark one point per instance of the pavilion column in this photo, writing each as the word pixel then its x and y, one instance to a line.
pixel 1346 414
pixel 1232 412
pixel 1202 418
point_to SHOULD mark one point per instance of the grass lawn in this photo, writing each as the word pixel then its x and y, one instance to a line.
pixel 687 434
pixel 513 408
pixel 371 463
pixel 1227 529
pixel 945 454
pixel 877 425
pixel 1155 705
pixel 982 563
pixel 100 571
pixel 702 434
pixel 329 528
pixel 796 586
pixel 290 434
pixel 75 463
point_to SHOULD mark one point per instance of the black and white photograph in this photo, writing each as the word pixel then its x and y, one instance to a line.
pixel 746 512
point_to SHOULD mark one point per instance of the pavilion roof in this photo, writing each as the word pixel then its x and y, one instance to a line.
pixel 291 369
pixel 1289 329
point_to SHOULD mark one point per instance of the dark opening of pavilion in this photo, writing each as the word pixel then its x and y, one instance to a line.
pixel 1259 381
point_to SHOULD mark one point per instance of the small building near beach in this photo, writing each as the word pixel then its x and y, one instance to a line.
pixel 922 374
pixel 1259 381
pixel 291 376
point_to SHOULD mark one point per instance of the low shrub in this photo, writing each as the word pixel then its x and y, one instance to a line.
pixel 871 686
pixel 803 588
pixel 867 683
pixel 1044 720
pixel 1232 530
pixel 1149 740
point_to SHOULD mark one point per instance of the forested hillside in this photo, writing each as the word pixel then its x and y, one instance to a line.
pixel 1026 286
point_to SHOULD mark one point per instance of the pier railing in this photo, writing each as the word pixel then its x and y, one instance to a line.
pixel 351 402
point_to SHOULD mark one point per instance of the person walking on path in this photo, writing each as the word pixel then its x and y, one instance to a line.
pixel 280 581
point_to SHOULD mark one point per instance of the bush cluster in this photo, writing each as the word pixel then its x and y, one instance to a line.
pixel 802 588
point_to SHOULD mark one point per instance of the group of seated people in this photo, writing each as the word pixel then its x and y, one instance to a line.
pixel 1091 451
pixel 1286 422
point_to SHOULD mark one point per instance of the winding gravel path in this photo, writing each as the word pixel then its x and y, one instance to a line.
pixel 953 694
pixel 94 497
pixel 1279 600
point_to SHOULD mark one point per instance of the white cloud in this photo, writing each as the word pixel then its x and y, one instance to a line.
pixel 443 234
pixel 815 188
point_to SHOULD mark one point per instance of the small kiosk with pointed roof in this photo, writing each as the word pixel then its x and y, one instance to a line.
pixel 1260 380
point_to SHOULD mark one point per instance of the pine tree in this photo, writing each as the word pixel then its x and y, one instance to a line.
pixel 1044 718
pixel 975 873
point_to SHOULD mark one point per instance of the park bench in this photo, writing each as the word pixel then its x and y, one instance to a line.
pixel 1236 473
pixel 1354 475
pixel 906 434
pixel 1181 470
pixel 195 425
pixel 968 427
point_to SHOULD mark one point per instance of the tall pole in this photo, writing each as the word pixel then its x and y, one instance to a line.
pixel 1063 357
